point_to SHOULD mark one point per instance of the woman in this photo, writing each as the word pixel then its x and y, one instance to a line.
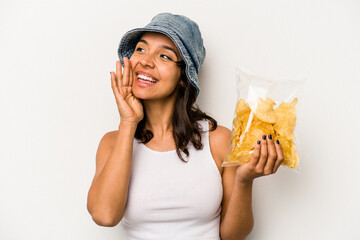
pixel 161 173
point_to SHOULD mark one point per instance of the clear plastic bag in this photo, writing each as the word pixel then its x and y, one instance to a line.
pixel 264 106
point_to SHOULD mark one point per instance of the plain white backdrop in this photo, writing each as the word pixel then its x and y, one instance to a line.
pixel 56 103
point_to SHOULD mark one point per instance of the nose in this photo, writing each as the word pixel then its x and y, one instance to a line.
pixel 147 60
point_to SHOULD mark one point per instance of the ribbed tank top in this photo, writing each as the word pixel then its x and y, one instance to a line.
pixel 170 199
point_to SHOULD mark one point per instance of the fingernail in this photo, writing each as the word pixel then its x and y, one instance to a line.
pixel 264 137
pixel 270 137
pixel 277 141
pixel 258 142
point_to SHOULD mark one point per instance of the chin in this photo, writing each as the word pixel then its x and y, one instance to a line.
pixel 141 94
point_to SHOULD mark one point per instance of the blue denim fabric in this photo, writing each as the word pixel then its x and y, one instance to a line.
pixel 184 32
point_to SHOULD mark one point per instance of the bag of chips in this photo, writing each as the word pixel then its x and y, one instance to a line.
pixel 264 106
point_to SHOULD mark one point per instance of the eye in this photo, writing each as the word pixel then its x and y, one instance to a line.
pixel 139 49
pixel 166 57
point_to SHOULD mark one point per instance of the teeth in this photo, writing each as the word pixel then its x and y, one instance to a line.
pixel 143 77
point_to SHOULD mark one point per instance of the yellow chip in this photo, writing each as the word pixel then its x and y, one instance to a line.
pixel 286 119
pixel 265 110
pixel 280 123
pixel 242 110
pixel 291 157
pixel 239 157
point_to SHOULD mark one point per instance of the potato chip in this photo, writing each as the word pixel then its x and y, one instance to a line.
pixel 268 128
pixel 253 136
pixel 237 122
pixel 286 119
pixel 279 122
pixel 291 157
pixel 265 110
pixel 242 108
pixel 242 111
pixel 236 156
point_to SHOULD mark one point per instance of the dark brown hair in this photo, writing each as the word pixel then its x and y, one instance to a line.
pixel 184 120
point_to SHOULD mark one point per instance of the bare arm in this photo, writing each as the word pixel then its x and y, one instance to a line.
pixel 236 204
pixel 108 192
pixel 236 215
pixel 238 221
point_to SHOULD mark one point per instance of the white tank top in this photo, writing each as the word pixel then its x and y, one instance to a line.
pixel 170 199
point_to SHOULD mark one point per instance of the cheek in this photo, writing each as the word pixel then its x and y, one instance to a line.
pixel 170 73
pixel 133 61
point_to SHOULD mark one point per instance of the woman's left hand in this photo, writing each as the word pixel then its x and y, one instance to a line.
pixel 266 159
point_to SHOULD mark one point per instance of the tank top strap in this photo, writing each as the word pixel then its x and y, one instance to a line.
pixel 205 135
pixel 204 125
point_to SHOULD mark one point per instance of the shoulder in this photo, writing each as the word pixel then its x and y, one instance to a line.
pixel 104 149
pixel 111 135
pixel 220 143
pixel 108 139
pixel 221 135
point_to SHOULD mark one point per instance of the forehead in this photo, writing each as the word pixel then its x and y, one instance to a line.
pixel 159 38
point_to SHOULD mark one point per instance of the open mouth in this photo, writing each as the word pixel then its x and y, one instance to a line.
pixel 145 80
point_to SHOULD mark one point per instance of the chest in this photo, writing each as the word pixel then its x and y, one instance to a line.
pixel 164 188
pixel 169 145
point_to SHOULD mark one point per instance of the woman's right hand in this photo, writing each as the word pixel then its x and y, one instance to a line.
pixel 129 106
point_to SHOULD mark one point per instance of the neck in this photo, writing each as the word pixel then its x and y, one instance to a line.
pixel 159 116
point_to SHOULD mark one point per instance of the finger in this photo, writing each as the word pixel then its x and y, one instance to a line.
pixel 113 84
pixel 118 74
pixel 263 154
pixel 126 74
pixel 256 154
pixel 280 156
pixel 272 156
pixel 132 74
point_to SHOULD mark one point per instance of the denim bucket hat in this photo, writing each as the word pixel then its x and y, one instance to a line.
pixel 185 34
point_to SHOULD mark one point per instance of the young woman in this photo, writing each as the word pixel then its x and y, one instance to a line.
pixel 161 172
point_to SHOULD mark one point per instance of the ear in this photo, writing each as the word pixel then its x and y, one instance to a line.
pixel 181 82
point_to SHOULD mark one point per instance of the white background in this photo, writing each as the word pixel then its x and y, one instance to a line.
pixel 56 103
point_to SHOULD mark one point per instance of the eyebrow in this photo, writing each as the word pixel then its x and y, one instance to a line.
pixel 163 46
